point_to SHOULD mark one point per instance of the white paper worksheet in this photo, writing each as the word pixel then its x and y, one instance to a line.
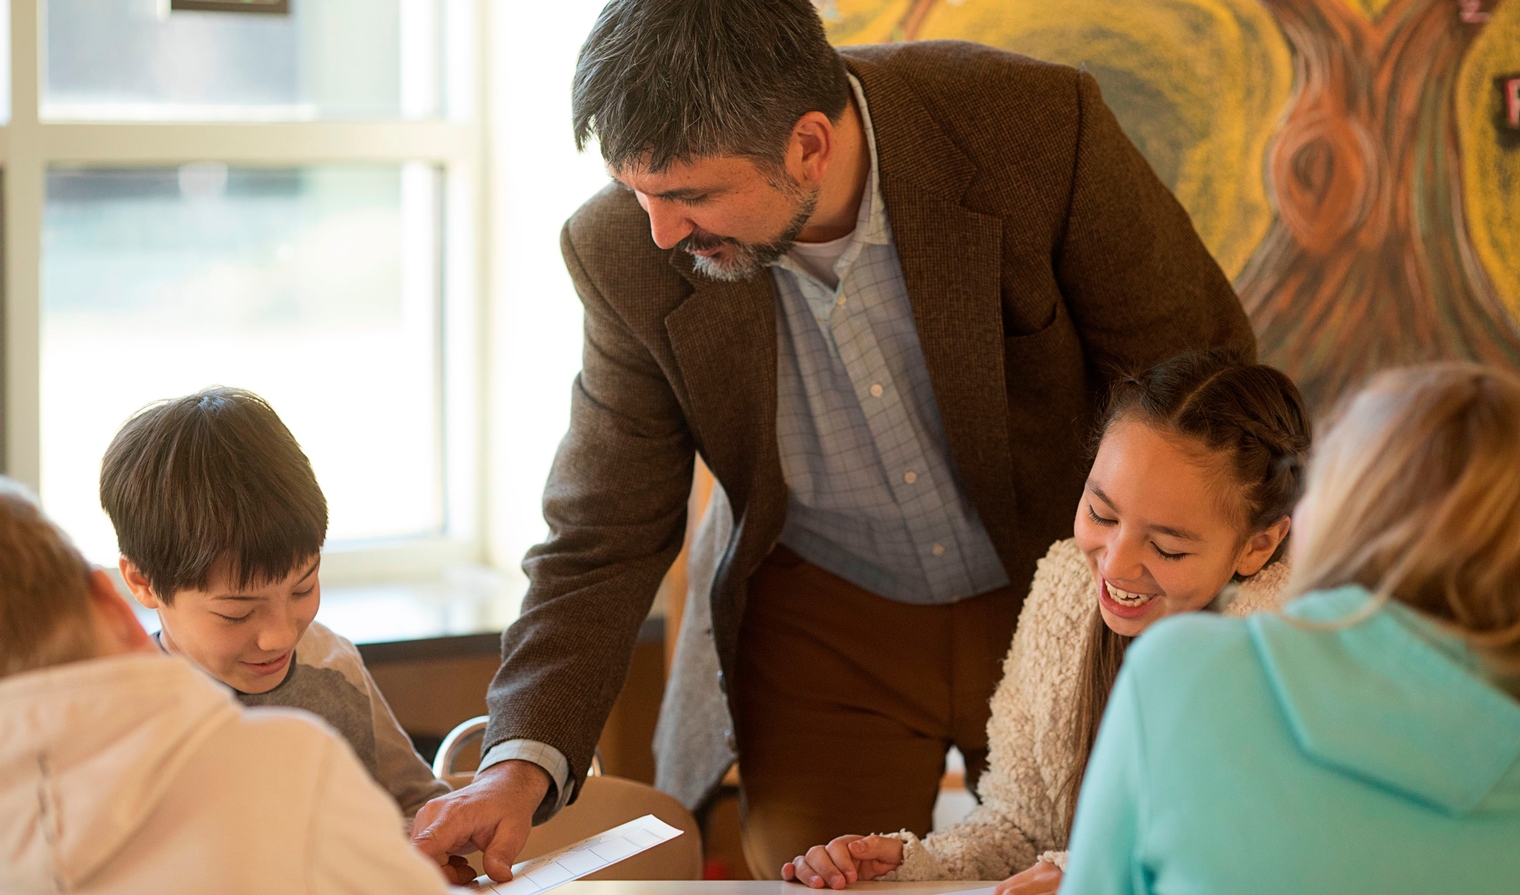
pixel 585 857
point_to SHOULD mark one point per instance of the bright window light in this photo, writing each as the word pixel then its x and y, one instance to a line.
pixel 317 287
pixel 137 60
pixel 541 180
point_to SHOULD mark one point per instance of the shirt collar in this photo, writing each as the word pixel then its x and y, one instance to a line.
pixel 872 220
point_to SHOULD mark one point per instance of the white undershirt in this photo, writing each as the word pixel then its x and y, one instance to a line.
pixel 819 258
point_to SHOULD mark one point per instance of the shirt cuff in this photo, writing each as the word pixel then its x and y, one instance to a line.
pixel 561 787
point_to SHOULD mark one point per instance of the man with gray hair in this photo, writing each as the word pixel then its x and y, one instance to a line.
pixel 880 291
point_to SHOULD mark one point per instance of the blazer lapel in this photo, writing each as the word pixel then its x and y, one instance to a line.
pixel 724 339
pixel 951 260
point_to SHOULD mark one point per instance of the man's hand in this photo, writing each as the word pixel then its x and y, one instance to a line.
pixel 845 860
pixel 1041 879
pixel 494 815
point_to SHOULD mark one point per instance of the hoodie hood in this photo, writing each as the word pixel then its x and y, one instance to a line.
pixel 87 752
pixel 1394 700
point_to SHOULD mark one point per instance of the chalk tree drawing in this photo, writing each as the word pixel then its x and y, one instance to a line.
pixel 1336 155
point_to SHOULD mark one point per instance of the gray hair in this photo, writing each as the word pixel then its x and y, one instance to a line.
pixel 660 81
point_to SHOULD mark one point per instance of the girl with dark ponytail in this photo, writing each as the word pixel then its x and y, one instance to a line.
pixel 1197 465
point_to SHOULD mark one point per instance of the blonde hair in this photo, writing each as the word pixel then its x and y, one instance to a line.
pixel 45 616
pixel 1415 495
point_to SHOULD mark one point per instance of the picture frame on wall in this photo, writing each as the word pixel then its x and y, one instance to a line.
pixel 277 7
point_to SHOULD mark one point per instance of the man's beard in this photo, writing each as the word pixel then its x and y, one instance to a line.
pixel 750 258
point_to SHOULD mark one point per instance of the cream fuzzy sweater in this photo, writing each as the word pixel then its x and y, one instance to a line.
pixel 1029 736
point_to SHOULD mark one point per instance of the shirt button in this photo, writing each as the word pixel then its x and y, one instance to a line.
pixel 910 476
pixel 841 301
pixel 938 550
pixel 876 389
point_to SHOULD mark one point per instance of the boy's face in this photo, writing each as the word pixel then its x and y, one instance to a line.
pixel 245 638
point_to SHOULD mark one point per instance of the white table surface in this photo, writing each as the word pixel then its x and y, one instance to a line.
pixel 748 887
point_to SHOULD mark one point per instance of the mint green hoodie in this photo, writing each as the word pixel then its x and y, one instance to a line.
pixel 1251 755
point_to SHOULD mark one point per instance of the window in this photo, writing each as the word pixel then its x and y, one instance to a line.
pixel 288 203
pixel 539 182
pixel 135 59
pixel 316 287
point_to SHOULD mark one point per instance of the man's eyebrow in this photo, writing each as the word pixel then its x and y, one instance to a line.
pixel 690 192
pixel 685 192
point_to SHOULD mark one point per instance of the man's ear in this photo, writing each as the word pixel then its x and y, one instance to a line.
pixel 138 584
pixel 814 143
pixel 118 626
pixel 1260 547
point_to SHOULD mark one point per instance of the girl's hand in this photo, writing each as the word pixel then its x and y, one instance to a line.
pixel 846 860
pixel 1041 879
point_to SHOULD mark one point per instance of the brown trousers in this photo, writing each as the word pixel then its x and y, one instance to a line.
pixel 846 703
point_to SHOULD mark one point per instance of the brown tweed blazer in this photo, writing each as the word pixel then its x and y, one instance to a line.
pixel 1040 253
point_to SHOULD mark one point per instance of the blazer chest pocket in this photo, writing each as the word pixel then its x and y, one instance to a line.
pixel 1046 378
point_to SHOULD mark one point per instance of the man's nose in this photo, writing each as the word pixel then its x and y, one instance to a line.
pixel 668 225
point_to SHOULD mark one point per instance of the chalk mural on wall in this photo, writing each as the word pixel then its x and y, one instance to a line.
pixel 1343 159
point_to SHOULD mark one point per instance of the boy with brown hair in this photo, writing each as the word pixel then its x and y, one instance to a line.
pixel 126 771
pixel 220 523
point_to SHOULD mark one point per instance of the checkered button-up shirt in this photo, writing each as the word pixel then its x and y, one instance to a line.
pixel 875 498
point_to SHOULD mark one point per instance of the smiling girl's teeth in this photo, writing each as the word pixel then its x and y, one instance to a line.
pixel 1126 598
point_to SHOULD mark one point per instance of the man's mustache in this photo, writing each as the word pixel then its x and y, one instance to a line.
pixel 705 242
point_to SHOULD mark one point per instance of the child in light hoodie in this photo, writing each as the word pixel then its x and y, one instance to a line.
pixel 124 770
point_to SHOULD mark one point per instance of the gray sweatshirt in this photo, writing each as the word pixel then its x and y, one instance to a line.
pixel 328 679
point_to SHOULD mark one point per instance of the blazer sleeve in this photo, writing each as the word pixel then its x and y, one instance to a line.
pixel 1104 858
pixel 616 503
pixel 1139 283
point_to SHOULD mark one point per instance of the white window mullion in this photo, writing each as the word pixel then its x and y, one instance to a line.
pixel 25 169
pixel 260 144
pixel 464 348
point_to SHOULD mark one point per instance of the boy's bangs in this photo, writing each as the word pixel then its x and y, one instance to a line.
pixel 212 483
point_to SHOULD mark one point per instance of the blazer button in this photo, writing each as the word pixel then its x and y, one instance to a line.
pixel 722 683
pixel 733 744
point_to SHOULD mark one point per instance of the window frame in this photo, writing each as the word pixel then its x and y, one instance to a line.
pixel 454 143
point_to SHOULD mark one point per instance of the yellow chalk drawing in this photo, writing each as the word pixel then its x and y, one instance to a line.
pixel 867 21
pixel 1490 172
pixel 1198 85
pixel 1340 158
pixel 1372 8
